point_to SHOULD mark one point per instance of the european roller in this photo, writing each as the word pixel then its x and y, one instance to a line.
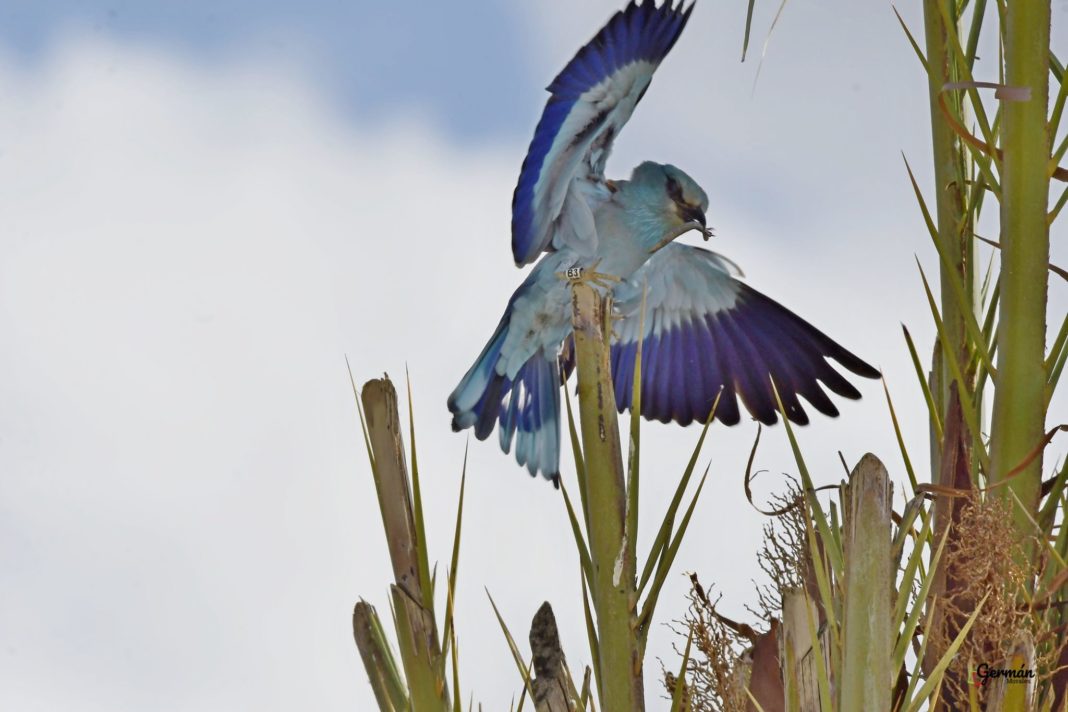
pixel 705 332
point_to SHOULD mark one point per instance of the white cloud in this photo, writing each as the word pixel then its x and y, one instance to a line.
pixel 187 255
pixel 186 258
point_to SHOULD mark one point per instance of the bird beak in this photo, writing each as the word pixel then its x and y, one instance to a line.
pixel 681 230
pixel 693 214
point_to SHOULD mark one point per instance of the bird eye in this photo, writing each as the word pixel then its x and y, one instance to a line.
pixel 674 190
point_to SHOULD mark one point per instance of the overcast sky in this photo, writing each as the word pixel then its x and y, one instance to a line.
pixel 204 207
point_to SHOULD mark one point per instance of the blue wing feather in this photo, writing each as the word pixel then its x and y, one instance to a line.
pixel 638 33
pixel 706 331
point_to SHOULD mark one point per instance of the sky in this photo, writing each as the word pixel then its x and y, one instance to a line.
pixel 205 207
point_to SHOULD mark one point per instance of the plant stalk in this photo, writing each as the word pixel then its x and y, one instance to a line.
pixel 1019 398
pixel 613 586
pixel 953 221
pixel 951 457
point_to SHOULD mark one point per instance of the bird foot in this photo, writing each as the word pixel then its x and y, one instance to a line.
pixel 614 324
pixel 589 275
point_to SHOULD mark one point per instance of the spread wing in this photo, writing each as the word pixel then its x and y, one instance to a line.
pixel 594 95
pixel 705 330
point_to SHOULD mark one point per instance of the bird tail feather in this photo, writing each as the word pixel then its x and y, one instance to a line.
pixel 526 408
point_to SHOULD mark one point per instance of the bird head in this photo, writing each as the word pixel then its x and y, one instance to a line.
pixel 674 196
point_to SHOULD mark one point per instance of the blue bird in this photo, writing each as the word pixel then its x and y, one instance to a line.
pixel 704 330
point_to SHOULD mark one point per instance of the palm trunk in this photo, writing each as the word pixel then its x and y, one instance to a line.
pixel 1019 399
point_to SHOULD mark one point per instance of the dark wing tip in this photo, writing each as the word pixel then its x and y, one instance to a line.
pixel 855 364
pixel 766 416
pixel 795 412
pixel 727 410
pixel 636 32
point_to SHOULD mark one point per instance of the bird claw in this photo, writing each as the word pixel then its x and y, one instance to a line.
pixel 590 275
pixel 615 321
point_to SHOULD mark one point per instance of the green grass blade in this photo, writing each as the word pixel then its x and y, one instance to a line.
pixel 978 11
pixel 912 40
pixel 910 622
pixel 585 701
pixel 968 408
pixel 1058 107
pixel 823 681
pixel 417 508
pixel 630 532
pixel 822 574
pixel 663 536
pixel 523 694
pixel 454 564
pixel 524 669
pixel 1055 374
pixel 454 650
pixel 913 511
pixel 678 698
pixel 1058 345
pixel 591 635
pixel 580 540
pixel 1051 508
pixel 964 304
pixel 1056 67
pixel 932 409
pixel 921 655
pixel 834 552
pixel 1058 206
pixel 1058 154
pixel 900 438
pixel 665 565
pixel 748 27
pixel 989 338
pixel 363 419
pixel 580 461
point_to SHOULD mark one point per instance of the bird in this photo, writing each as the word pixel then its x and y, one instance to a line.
pixel 704 333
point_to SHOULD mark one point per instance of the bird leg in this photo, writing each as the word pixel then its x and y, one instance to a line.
pixel 681 230
pixel 590 275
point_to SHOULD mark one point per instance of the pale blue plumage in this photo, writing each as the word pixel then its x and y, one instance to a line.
pixel 705 331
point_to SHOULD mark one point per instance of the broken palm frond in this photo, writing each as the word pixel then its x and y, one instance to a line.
pixel 553 690
pixel 424 658
pixel 378 659
pixel 866 634
pixel 417 633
